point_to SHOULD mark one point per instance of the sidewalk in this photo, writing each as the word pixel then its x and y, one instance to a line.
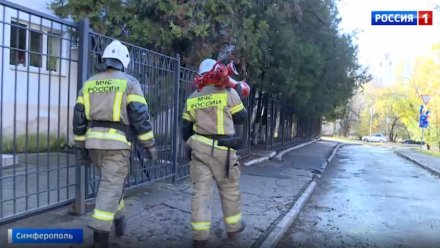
pixel 159 215
pixel 427 162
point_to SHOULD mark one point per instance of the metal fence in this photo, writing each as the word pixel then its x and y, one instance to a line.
pixel 186 79
pixel 280 128
pixel 37 93
pixel 157 74
pixel 45 61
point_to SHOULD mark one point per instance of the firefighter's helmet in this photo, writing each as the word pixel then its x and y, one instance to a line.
pixel 116 51
pixel 206 65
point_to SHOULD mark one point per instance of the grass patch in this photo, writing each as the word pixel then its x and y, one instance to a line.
pixel 340 139
pixel 32 144
pixel 431 153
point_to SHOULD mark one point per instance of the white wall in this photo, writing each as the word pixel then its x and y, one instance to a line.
pixel 34 96
pixel 328 128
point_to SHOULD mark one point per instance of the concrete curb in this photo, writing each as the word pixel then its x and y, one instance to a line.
pixel 274 154
pixel 281 228
pixel 415 161
pixel 334 153
pixel 280 155
pixel 256 161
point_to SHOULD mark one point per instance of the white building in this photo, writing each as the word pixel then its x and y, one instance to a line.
pixel 38 61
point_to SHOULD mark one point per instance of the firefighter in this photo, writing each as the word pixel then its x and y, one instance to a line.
pixel 208 128
pixel 111 113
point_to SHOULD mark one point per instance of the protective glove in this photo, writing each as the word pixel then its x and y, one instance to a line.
pixel 239 90
pixel 152 152
pixel 83 156
pixel 188 152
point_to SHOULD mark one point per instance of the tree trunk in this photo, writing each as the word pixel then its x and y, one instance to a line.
pixel 391 134
pixel 263 124
pixel 257 125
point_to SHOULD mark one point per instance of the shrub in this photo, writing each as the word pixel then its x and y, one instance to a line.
pixel 30 144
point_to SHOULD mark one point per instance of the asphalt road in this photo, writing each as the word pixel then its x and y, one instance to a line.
pixel 370 197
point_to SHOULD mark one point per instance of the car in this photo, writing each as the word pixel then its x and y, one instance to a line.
pixel 377 137
pixel 410 141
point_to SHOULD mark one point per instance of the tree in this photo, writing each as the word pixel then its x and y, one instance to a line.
pixel 391 106
pixel 425 80
pixel 397 106
pixel 289 50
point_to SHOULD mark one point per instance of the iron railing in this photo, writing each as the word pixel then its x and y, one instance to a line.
pixel 44 62
pixel 157 74
pixel 38 79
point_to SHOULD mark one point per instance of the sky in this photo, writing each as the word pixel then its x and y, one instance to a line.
pixel 383 48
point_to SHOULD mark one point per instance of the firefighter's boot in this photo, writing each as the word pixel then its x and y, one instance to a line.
pixel 120 226
pixel 233 235
pixel 100 239
pixel 199 243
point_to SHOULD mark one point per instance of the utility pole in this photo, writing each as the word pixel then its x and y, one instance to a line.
pixel 424 115
pixel 371 118
pixel 388 121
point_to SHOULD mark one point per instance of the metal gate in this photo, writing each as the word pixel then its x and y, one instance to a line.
pixel 38 80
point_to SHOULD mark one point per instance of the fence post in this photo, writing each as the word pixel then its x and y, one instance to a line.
pixel 282 122
pixel 266 121
pixel 176 138
pixel 273 122
pixel 250 108
pixel 79 206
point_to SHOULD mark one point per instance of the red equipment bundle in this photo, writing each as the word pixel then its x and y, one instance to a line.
pixel 220 75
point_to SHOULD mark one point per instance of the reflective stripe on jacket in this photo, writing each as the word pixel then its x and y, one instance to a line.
pixel 211 110
pixel 111 96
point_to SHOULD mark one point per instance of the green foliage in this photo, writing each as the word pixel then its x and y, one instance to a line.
pixel 397 106
pixel 291 49
pixel 33 143
pixel 425 81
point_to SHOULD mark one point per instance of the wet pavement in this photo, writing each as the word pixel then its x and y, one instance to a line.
pixel 37 180
pixel 370 197
pixel 426 161
pixel 158 214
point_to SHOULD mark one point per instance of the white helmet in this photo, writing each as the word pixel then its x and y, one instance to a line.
pixel 116 50
pixel 206 65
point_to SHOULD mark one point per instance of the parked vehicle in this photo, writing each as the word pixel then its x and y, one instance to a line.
pixel 377 137
pixel 410 141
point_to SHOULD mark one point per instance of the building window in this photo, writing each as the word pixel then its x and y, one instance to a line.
pixel 18 44
pixel 36 48
pixel 53 51
pixel 25 41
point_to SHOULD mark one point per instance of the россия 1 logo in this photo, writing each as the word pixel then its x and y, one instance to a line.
pixel 401 17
